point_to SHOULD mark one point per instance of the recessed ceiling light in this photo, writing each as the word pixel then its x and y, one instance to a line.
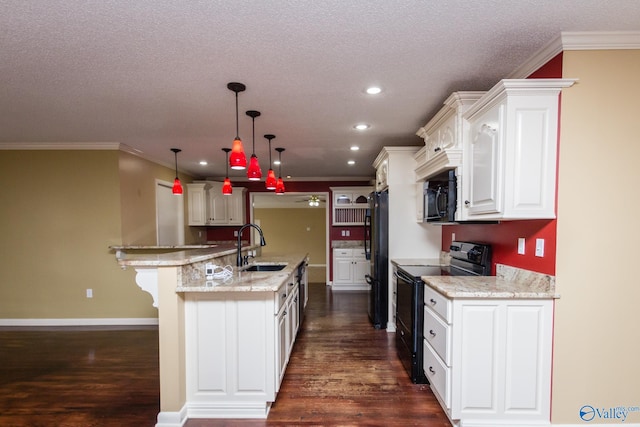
pixel 362 126
pixel 354 148
pixel 373 90
pixel 351 162
pixel 203 162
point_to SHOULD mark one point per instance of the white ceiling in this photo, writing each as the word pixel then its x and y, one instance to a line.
pixel 153 74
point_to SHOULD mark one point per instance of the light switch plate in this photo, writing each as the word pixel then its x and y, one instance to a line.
pixel 521 245
pixel 540 247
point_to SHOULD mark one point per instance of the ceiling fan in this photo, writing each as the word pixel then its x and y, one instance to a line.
pixel 312 200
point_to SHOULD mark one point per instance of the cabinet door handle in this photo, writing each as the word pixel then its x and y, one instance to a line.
pixel 433 334
pixel 431 370
pixel 432 301
pixel 467 203
pixel 437 149
pixel 284 295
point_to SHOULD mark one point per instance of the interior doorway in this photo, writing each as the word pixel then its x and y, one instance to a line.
pixel 169 215
pixel 292 224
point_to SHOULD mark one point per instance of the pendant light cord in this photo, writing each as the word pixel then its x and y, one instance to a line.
pixel 253 146
pixel 237 125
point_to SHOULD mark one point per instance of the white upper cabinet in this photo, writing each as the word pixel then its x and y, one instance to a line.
pixel 443 136
pixel 197 203
pixel 509 163
pixel 208 206
pixel 350 205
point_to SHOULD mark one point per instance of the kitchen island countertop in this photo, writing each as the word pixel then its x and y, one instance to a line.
pixel 184 256
pixel 246 281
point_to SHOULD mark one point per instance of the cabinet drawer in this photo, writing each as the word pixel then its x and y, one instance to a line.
pixel 438 374
pixel 438 335
pixel 343 253
pixel 359 253
pixel 438 303
pixel 281 296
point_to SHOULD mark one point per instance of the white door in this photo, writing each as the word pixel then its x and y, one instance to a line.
pixel 169 215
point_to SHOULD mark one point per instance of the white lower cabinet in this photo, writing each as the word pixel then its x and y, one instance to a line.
pixel 350 266
pixel 237 347
pixel 489 360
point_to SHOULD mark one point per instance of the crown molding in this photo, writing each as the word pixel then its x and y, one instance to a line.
pixel 67 146
pixel 578 40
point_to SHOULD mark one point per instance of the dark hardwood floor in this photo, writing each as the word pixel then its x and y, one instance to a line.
pixel 342 372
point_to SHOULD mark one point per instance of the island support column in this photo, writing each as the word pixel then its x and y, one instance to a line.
pixel 173 410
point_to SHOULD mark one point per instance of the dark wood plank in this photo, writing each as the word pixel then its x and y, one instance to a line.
pixel 342 372
pixel 79 377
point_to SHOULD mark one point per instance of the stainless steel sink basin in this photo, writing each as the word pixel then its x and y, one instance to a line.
pixel 265 267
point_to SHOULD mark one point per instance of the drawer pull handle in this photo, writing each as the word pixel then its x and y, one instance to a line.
pixel 433 334
pixel 432 301
pixel 431 370
pixel 284 295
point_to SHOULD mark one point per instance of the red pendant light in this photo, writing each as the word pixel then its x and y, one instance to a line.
pixel 238 160
pixel 280 182
pixel 227 190
pixel 253 172
pixel 177 186
pixel 270 182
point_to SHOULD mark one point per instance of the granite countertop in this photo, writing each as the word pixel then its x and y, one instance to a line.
pixel 246 281
pixel 510 282
pixel 416 261
pixel 151 247
pixel 347 244
pixel 176 258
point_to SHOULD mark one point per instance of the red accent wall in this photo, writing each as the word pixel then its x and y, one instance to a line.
pixel 550 70
pixel 503 237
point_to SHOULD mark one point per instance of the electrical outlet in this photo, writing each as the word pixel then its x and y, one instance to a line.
pixel 89 293
pixel 521 245
pixel 453 237
pixel 348 233
pixel 235 233
pixel 540 247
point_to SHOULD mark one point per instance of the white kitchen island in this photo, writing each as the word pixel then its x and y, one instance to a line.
pixel 224 342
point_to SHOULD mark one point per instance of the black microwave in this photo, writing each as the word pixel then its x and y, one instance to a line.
pixel 440 197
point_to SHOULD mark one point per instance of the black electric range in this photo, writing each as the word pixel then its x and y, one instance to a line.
pixel 467 259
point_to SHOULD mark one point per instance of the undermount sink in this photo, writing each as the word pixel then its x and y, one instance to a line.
pixel 265 267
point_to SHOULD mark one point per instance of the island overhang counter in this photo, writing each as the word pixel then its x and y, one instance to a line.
pixel 224 341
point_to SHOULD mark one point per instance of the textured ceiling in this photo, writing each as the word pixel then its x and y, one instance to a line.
pixel 152 74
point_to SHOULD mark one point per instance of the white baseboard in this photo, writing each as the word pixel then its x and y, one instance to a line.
pixel 172 419
pixel 116 321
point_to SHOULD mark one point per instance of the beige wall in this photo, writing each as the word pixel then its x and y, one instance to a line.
pixel 138 198
pixel 291 230
pixel 60 210
pixel 597 344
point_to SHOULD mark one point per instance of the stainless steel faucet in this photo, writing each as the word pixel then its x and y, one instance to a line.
pixel 239 254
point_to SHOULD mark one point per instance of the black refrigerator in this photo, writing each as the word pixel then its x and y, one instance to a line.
pixel 376 246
